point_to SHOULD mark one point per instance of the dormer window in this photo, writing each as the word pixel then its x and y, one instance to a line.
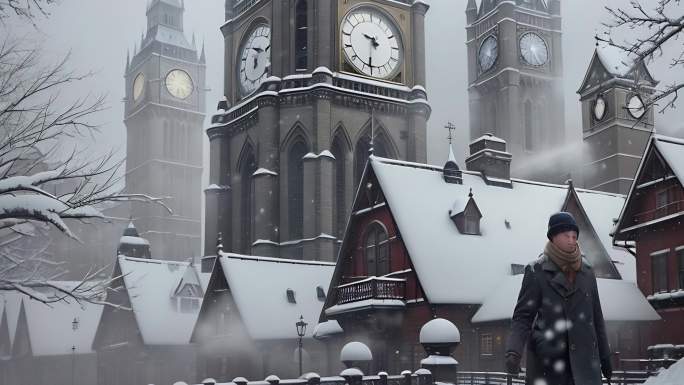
pixel 320 293
pixel 466 216
pixel 376 250
pixel 188 305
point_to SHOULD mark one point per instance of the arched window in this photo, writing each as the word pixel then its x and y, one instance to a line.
pixel 529 129
pixel 301 35
pixel 338 150
pixel 376 250
pixel 295 189
pixel 247 168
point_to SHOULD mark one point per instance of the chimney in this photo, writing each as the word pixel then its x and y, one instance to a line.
pixel 488 156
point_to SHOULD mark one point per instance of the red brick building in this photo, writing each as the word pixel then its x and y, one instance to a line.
pixel 425 242
pixel 652 225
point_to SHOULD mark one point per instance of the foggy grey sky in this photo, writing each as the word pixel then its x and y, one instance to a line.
pixel 99 33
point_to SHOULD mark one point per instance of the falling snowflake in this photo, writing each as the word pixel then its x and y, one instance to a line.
pixel 559 366
pixel 549 334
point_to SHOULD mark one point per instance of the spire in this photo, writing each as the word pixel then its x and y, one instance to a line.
pixel 471 12
pixel 194 42
pixel 135 49
pixel 128 59
pixel 372 136
pixel 142 39
pixel 451 172
pixel 203 57
pixel 471 5
pixel 450 126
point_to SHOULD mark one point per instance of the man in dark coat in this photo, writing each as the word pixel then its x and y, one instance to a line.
pixel 558 315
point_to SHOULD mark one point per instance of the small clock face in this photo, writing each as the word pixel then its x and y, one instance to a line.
pixel 599 108
pixel 179 83
pixel 489 51
pixel 635 106
pixel 372 43
pixel 533 49
pixel 255 59
pixel 138 86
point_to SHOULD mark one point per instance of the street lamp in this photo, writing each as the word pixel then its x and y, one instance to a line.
pixel 74 327
pixel 301 331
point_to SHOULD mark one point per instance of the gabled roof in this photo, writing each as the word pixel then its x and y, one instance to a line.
pixel 620 301
pixel 610 62
pixel 150 285
pixel 663 148
pixel 460 268
pixel 259 288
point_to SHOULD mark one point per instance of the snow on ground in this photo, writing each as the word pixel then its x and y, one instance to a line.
pixel 674 375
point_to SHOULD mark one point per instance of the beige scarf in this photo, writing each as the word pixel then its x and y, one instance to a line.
pixel 566 261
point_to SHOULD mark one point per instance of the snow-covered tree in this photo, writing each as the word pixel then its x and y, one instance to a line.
pixel 647 30
pixel 41 180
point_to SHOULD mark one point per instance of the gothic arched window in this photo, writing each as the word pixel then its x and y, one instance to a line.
pixel 529 129
pixel 295 189
pixel 338 150
pixel 376 250
pixel 381 148
pixel 247 168
pixel 301 35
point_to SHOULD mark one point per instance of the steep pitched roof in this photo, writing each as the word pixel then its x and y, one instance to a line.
pixel 620 301
pixel 666 149
pixel 259 288
pixel 513 227
pixel 151 285
pixel 610 62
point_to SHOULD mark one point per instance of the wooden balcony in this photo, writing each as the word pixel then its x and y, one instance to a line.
pixel 660 212
pixel 371 288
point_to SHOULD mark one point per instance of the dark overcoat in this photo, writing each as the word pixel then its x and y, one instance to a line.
pixel 561 324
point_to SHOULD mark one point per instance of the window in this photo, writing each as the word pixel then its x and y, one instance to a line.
pixel 295 189
pixel 301 35
pixel 291 296
pixel 659 271
pixel 340 213
pixel 680 261
pixel 188 305
pixel 320 293
pixel 472 223
pixel 486 347
pixel 247 168
pixel 377 251
pixel 661 202
pixel 529 129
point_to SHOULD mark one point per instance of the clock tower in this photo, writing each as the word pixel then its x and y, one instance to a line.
pixel 515 80
pixel 615 124
pixel 164 116
pixel 312 88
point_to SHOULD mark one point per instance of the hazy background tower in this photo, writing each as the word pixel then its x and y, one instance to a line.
pixel 302 80
pixel 515 74
pixel 615 124
pixel 164 116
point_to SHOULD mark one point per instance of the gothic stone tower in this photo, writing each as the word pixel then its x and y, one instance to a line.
pixel 615 124
pixel 302 80
pixel 514 77
pixel 164 116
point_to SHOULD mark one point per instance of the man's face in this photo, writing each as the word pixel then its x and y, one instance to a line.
pixel 566 241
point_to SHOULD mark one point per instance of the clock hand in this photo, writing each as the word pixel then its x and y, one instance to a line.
pixel 267 48
pixel 256 62
pixel 367 36
pixel 259 50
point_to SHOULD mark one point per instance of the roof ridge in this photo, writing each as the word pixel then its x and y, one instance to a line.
pixel 255 258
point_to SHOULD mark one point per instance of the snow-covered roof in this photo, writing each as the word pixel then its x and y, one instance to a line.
pixel 150 285
pixel 445 259
pixel 620 301
pixel 672 149
pixel 259 288
pixel 670 376
pixel 50 326
pixel 615 60
pixel 170 36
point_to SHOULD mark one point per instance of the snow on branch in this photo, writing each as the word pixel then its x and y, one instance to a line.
pixel 653 31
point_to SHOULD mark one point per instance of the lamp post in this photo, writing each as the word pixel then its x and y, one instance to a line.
pixel 301 331
pixel 74 327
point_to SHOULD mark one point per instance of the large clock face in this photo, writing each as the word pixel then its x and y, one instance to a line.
pixel 179 84
pixel 255 59
pixel 489 51
pixel 533 49
pixel 599 108
pixel 138 86
pixel 371 43
pixel 635 106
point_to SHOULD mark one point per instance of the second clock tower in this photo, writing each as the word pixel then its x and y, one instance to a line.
pixel 164 115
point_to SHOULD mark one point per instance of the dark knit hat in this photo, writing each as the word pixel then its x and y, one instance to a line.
pixel 561 222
